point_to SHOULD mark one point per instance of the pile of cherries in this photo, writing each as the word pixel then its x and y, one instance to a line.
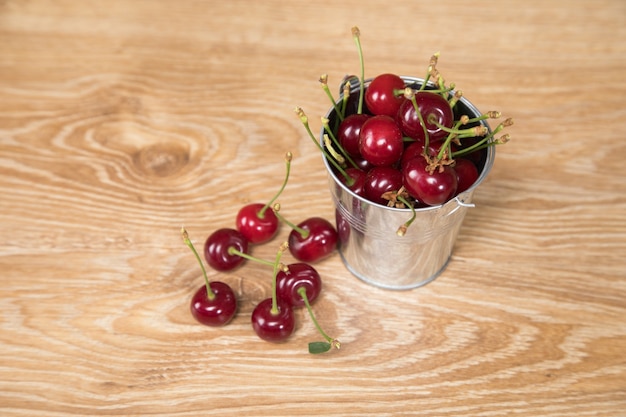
pixel 294 285
pixel 404 144
pixel 395 143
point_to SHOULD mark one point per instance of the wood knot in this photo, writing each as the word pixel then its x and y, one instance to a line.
pixel 161 159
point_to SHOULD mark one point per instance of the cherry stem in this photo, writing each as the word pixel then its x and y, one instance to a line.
pixel 304 233
pixel 277 264
pixel 410 94
pixel 356 35
pixel 305 122
pixel 324 83
pixel 337 144
pixel 402 229
pixel 209 292
pixel 234 251
pixel 346 95
pixel 486 141
pixel 333 342
pixel 288 157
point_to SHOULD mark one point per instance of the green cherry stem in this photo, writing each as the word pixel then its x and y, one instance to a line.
pixel 288 158
pixel 409 94
pixel 305 122
pixel 356 35
pixel 335 142
pixel 402 229
pixel 234 251
pixel 324 84
pixel 277 265
pixel 346 95
pixel 303 232
pixel 209 292
pixel 318 347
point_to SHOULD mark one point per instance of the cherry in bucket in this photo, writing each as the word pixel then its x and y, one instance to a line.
pixel 215 303
pixel 256 221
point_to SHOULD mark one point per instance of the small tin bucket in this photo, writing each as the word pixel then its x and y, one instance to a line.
pixel 368 243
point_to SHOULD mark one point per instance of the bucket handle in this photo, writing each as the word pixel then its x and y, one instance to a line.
pixel 460 203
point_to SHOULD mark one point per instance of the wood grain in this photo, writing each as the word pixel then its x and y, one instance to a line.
pixel 121 121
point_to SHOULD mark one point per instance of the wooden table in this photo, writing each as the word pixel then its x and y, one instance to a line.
pixel 122 120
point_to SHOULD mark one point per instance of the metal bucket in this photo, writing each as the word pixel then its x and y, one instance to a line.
pixel 368 243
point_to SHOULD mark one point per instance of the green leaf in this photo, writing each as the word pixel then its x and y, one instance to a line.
pixel 319 347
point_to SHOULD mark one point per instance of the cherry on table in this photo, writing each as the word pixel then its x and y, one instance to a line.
pixel 296 276
pixel 257 222
pixel 215 303
pixel 313 239
pixel 273 319
pixel 216 311
pixel 223 248
pixel 273 325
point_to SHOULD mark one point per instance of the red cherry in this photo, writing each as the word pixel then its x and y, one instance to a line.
pixel 257 222
pixel 358 176
pixel 379 180
pixel 416 149
pixel 466 174
pixel 217 311
pixel 256 227
pixel 298 275
pixel 348 133
pixel 217 249
pixel 430 105
pixel 273 326
pixel 380 97
pixel 314 239
pixel 430 188
pixel 381 141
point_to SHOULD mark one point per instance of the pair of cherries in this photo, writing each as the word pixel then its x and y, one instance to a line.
pixel 215 303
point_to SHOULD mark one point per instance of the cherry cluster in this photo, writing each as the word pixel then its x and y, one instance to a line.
pixel 294 285
pixel 404 144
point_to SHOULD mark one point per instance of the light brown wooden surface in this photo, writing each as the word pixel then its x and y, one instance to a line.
pixel 122 120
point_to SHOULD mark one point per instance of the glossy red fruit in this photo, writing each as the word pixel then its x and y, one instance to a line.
pixel 320 242
pixel 381 141
pixel 378 181
pixel 358 176
pixel 416 149
pixel 466 174
pixel 380 98
pixel 255 228
pixel 430 188
pixel 298 275
pixel 429 104
pixel 348 133
pixel 218 311
pixel 273 326
pixel 216 249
